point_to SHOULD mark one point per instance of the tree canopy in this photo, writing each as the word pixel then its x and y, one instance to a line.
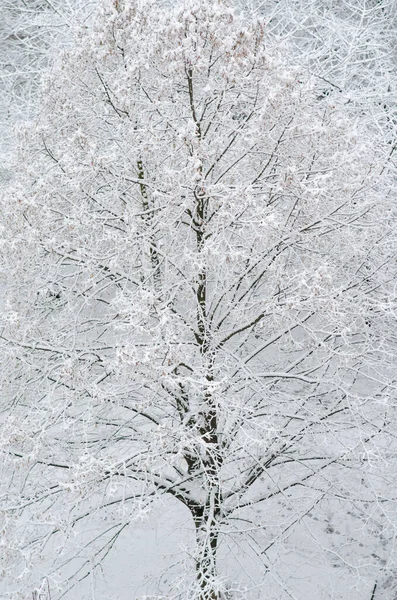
pixel 199 303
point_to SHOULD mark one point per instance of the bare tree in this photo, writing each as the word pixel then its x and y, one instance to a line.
pixel 200 261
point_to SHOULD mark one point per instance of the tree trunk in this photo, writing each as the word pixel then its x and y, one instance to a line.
pixel 207 542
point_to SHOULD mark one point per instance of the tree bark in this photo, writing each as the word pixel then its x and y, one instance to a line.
pixel 207 544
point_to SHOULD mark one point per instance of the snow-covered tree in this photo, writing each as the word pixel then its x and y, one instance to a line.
pixel 349 47
pixel 31 33
pixel 199 269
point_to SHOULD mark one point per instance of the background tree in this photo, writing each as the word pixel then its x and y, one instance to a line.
pixel 199 272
